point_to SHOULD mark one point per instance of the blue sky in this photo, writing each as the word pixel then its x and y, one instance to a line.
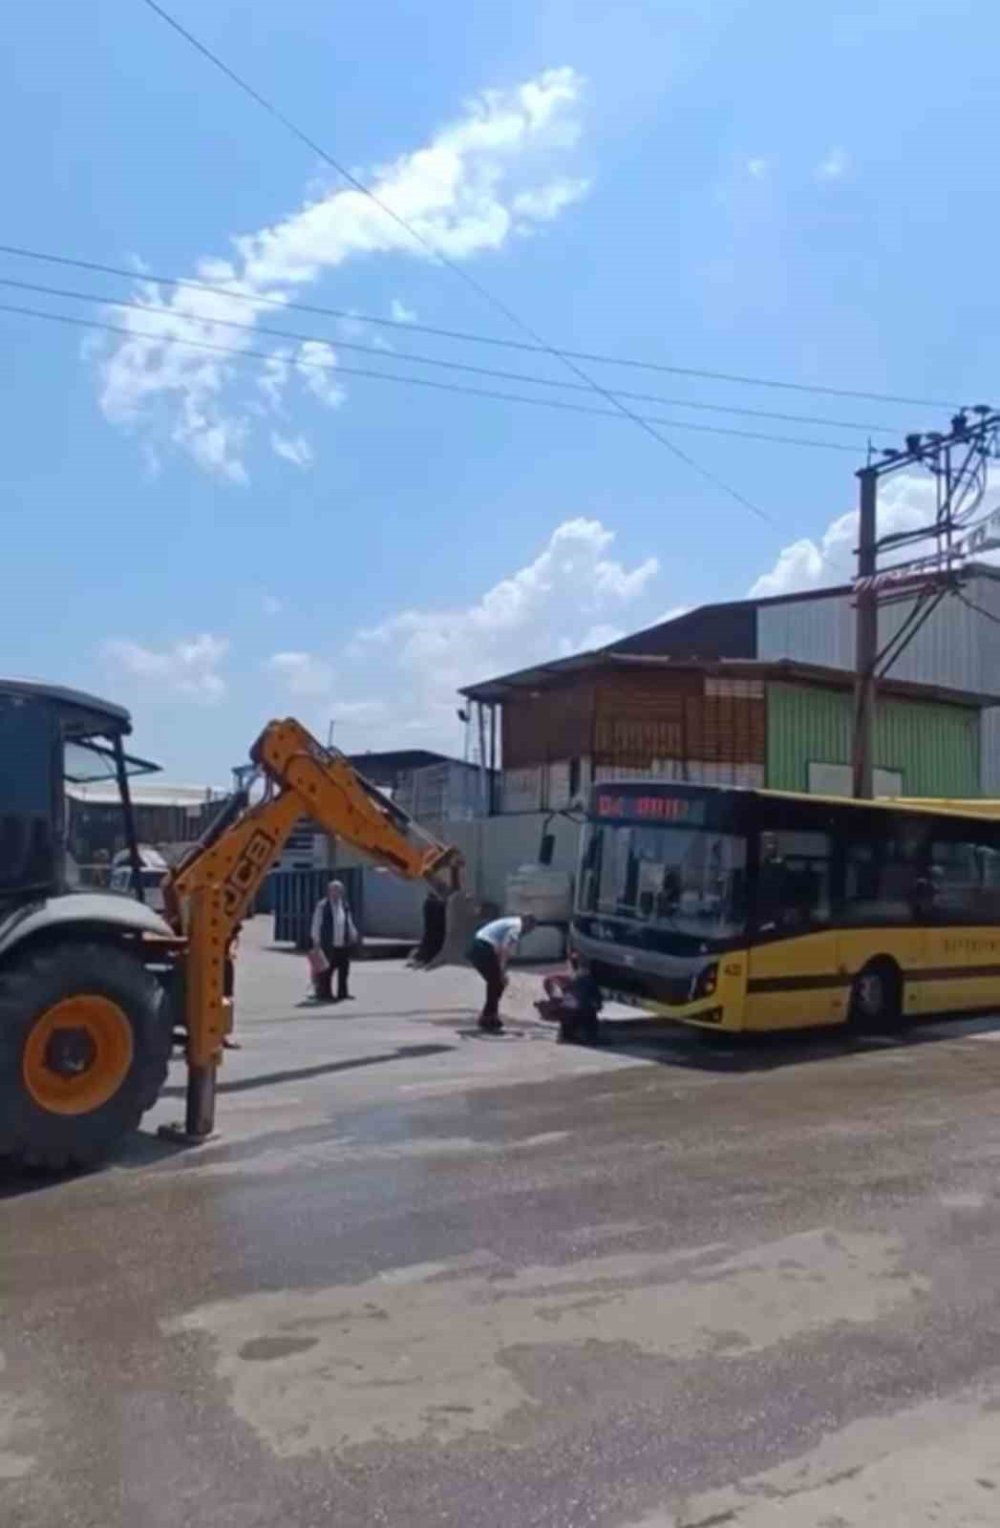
pixel 795 192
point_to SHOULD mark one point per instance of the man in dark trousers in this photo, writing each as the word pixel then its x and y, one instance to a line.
pixel 489 953
pixel 334 936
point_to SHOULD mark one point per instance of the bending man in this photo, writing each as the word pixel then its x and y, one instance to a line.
pixel 490 953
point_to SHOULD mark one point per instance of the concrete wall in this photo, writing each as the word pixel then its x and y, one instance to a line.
pixel 393 908
pixel 493 847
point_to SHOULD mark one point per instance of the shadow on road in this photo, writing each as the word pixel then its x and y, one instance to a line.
pixel 139 1150
pixel 142 1150
pixel 15 1181
pixel 701 1050
pixel 299 1074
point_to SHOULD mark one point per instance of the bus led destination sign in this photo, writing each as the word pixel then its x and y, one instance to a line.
pixel 667 809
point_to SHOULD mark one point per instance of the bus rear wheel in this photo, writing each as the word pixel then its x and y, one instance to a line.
pixel 876 996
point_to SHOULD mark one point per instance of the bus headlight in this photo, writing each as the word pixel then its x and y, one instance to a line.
pixel 704 984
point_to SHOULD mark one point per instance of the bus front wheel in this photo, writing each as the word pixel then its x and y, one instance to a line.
pixel 876 996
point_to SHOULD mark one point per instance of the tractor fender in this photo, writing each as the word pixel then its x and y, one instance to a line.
pixel 88 909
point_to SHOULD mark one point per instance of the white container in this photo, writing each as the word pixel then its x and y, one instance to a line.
pixel 543 945
pixel 545 893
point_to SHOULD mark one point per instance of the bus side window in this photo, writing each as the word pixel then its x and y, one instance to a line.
pixel 793 880
pixel 964 882
pixel 886 877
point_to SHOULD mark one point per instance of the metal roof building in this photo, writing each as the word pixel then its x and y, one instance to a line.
pixel 796 652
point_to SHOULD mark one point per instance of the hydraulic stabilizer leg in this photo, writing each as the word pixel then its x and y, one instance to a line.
pixel 199 1112
pixel 208 1010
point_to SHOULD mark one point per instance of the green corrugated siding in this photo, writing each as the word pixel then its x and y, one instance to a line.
pixel 934 747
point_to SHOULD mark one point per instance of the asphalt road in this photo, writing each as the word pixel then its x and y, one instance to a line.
pixel 429 1278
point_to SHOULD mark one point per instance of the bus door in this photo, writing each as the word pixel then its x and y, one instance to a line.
pixel 794 978
pixel 888 897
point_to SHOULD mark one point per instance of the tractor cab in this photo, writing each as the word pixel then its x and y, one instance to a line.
pixel 52 739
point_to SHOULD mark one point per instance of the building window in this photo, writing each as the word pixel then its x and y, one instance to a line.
pixel 823 779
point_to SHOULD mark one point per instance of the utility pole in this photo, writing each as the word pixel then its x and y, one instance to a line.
pixel 957 462
pixel 866 636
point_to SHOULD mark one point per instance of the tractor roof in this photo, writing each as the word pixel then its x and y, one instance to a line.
pixel 80 713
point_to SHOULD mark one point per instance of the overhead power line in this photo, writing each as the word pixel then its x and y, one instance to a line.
pixel 465 336
pixel 334 370
pixel 76 295
pixel 463 275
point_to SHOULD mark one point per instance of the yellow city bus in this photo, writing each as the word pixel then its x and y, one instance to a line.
pixel 762 910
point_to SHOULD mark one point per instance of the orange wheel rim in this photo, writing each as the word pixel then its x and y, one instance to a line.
pixel 77 1054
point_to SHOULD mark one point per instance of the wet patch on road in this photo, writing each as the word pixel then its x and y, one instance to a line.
pixel 933 1466
pixel 295 1158
pixel 435 1353
pixel 15 1462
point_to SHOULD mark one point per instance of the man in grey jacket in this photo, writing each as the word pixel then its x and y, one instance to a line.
pixel 334 936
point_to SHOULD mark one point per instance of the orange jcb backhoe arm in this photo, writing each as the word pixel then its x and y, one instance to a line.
pixel 207 895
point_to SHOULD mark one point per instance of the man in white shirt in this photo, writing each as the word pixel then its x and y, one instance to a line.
pixel 490 953
pixel 334 935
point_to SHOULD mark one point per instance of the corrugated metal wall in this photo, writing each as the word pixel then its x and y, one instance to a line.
pixel 989 753
pixel 957 646
pixel 812 631
pixel 934 747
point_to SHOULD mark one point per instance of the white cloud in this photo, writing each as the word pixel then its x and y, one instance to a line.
pixel 543 203
pixel 469 189
pixel 758 167
pixel 396 683
pixel 601 635
pixel 310 681
pixel 189 667
pixel 401 313
pixel 906 502
pixel 353 327
pixel 833 166
pixel 316 362
pixel 274 378
pixel 293 448
pixel 359 711
pixel 556 604
pixel 302 673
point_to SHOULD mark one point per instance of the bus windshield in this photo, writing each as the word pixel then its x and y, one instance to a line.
pixel 690 880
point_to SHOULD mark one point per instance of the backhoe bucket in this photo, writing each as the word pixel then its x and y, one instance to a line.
pixel 446 942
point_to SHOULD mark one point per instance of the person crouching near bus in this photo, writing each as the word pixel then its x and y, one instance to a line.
pixel 573 1000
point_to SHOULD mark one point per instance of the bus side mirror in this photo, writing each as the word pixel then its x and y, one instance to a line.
pixel 547 849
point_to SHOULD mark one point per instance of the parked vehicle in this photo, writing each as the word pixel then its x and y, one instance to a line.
pixel 154 868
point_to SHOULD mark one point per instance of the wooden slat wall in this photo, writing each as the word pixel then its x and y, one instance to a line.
pixel 552 724
pixel 727 729
pixel 632 719
pixel 640 717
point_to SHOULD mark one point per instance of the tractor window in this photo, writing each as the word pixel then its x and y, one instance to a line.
pixel 83 761
pixel 29 808
pixel 92 758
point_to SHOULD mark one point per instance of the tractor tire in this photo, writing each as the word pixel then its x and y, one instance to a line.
pixel 84 1049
